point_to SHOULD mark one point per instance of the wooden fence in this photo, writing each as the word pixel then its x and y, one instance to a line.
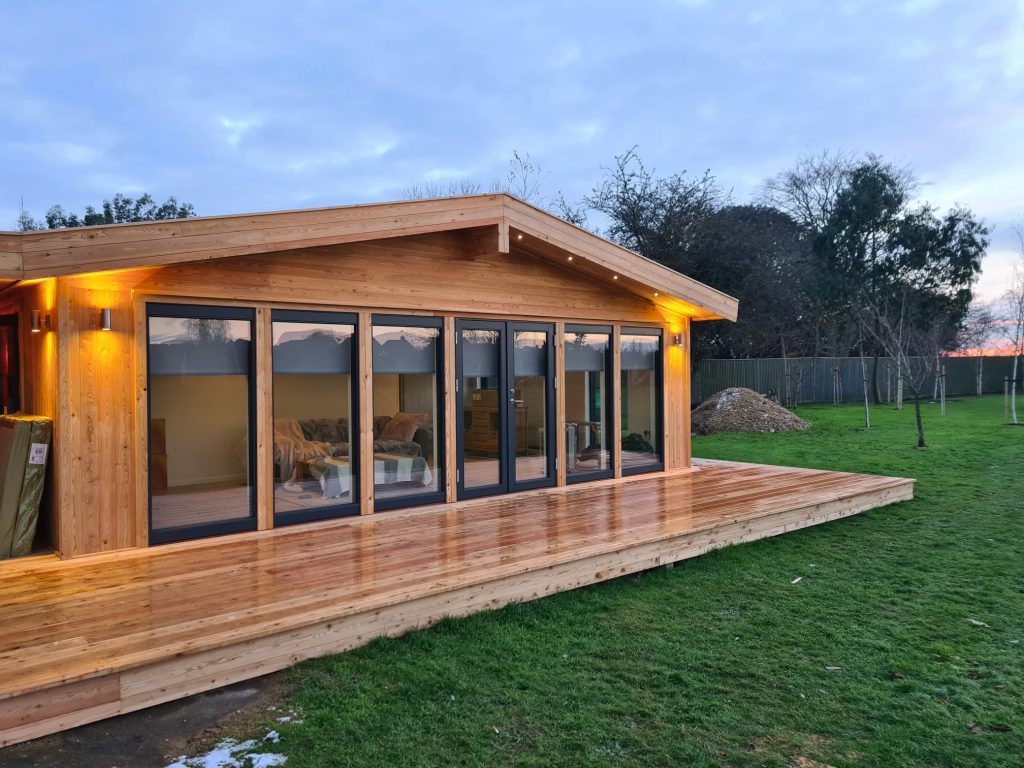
pixel 798 380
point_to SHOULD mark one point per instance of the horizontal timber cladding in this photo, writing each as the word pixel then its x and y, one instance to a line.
pixel 102 419
pixel 431 273
pixel 87 249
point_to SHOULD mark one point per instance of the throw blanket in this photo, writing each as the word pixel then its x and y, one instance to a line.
pixel 392 468
pixel 291 447
pixel 334 477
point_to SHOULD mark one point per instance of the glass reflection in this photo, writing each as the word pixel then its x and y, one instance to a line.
pixel 406 428
pixel 586 403
pixel 641 390
pixel 313 417
pixel 199 375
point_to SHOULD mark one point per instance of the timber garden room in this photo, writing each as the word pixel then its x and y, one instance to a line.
pixel 279 435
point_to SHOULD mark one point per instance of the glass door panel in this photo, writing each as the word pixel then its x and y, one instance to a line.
pixel 315 453
pixel 641 400
pixel 530 403
pixel 587 410
pixel 201 441
pixel 483 415
pixel 408 459
pixel 507 401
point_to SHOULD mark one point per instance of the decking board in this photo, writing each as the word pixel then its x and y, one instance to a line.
pixel 158 624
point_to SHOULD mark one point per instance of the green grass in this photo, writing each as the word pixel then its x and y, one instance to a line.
pixel 722 661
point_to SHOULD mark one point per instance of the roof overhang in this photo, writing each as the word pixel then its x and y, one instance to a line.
pixel 515 224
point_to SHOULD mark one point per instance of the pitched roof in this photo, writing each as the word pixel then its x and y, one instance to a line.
pixel 517 226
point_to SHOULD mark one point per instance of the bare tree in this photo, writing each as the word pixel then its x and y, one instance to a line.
pixel 913 345
pixel 810 189
pixel 1012 321
pixel 523 179
pixel 422 190
pixel 975 335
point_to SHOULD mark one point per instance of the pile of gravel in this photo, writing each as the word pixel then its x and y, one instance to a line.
pixel 743 410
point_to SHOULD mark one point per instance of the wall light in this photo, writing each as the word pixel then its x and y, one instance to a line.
pixel 678 339
pixel 39 322
pixel 570 258
pixel 105 319
pixel 519 237
pixel 615 277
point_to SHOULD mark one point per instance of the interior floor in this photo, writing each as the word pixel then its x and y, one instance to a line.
pixel 200 504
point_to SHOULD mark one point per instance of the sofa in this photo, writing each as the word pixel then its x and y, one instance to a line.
pixel 297 440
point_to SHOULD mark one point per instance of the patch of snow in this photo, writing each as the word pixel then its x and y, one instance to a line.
pixel 231 753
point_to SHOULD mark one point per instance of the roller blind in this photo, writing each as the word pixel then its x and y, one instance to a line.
pixel 640 353
pixel 320 352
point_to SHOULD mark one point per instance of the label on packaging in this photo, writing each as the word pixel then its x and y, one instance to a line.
pixel 37 454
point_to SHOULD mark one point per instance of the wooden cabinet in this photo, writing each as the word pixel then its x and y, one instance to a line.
pixel 483 429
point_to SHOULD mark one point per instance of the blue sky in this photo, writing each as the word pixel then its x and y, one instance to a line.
pixel 240 107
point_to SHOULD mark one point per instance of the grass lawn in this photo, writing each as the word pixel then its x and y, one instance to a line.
pixel 722 661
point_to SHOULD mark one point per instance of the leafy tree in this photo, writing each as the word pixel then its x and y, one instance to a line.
pixel 122 209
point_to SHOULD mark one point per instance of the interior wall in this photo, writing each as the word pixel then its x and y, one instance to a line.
pixel 639 407
pixel 387 394
pixel 312 396
pixel 205 420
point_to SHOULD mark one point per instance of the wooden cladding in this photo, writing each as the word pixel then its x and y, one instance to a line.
pixel 97 380
pixel 494 223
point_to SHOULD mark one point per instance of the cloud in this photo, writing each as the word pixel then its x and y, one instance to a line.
pixel 61 152
pixel 235 129
pixel 365 147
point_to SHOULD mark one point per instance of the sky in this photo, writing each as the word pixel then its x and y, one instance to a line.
pixel 242 107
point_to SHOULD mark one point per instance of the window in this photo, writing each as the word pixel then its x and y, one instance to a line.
pixel 408 459
pixel 316 428
pixel 587 393
pixel 641 400
pixel 201 460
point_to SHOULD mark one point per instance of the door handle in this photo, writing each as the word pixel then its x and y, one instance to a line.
pixel 517 402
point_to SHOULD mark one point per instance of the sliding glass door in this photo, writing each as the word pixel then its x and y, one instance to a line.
pixel 641 395
pixel 201 421
pixel 587 393
pixel 408 411
pixel 316 446
pixel 505 392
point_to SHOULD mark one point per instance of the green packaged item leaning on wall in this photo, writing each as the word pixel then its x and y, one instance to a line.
pixel 24 447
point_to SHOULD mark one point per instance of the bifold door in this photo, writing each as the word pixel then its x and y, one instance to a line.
pixel 505 389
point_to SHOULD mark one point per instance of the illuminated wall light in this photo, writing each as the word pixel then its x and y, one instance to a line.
pixel 656 294
pixel 39 322
pixel 570 258
pixel 519 237
pixel 678 340
pixel 615 277
pixel 105 319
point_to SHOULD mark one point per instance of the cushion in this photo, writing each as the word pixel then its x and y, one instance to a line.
pixel 403 426
pixel 378 425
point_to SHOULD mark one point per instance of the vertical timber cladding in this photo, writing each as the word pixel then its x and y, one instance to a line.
pixel 94 435
pixel 676 402
pixel 101 420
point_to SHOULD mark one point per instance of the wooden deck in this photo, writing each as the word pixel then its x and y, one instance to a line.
pixel 85 639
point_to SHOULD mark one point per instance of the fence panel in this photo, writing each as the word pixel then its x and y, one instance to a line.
pixel 813 379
